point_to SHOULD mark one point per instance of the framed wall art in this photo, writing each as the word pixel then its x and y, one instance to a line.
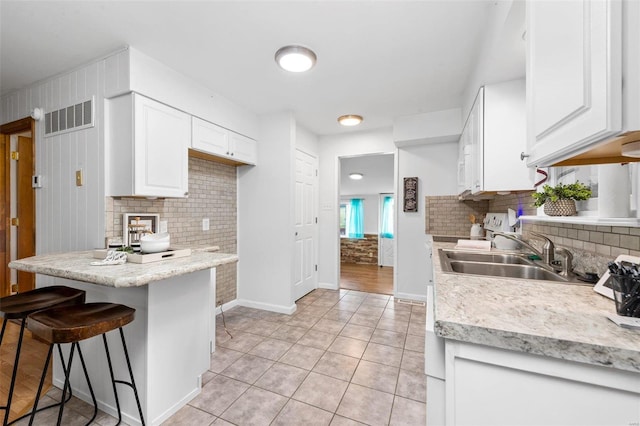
pixel 410 190
pixel 136 225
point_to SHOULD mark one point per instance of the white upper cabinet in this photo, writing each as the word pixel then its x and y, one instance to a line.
pixel 147 148
pixel 574 76
pixel 220 142
pixel 492 140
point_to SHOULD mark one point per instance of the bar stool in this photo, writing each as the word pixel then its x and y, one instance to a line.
pixel 19 306
pixel 73 324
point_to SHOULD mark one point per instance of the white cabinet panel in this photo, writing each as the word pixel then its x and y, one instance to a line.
pixel 209 138
pixel 147 148
pixel 242 148
pixel 493 137
pixel 574 76
pixel 490 386
pixel 220 142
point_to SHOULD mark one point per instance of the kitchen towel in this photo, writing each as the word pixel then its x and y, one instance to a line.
pixel 473 245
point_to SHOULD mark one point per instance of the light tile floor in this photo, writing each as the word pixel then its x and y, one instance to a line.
pixel 344 358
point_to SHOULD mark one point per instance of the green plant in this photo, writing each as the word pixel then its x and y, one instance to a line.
pixel 573 191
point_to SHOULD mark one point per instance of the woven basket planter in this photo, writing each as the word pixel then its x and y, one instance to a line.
pixel 560 208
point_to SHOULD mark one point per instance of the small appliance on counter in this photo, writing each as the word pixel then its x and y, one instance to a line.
pixel 501 222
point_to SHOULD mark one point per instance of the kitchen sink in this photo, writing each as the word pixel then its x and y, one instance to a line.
pixel 519 259
pixel 507 265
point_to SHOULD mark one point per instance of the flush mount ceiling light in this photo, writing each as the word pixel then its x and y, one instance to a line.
pixel 350 120
pixel 631 149
pixel 356 176
pixel 295 58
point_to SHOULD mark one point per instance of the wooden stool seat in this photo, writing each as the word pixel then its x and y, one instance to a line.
pixel 20 305
pixel 72 324
pixel 75 323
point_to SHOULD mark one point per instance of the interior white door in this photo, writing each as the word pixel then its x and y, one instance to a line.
pixel 385 242
pixel 306 227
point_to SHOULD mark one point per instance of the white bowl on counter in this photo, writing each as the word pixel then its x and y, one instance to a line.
pixel 155 243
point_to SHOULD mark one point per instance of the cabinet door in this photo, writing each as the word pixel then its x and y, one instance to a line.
pixel 209 138
pixel 574 75
pixel 242 148
pixel 476 137
pixel 162 140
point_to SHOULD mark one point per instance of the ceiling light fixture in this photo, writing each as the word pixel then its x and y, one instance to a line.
pixel 350 120
pixel 356 176
pixel 295 58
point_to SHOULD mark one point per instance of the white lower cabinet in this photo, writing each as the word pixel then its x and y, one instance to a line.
pixel 220 142
pixel 147 146
pixel 490 386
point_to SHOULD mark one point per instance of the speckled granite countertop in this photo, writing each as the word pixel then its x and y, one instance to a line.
pixel 539 317
pixel 76 266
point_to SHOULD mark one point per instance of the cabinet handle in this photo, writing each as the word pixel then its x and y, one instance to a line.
pixel 232 154
pixel 227 152
pixel 523 156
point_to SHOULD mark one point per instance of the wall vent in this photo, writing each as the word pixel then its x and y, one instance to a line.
pixel 69 119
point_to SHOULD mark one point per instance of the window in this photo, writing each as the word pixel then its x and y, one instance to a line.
pixel 352 218
pixel 386 222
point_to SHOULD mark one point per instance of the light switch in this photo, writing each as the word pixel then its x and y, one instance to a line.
pixel 163 226
pixel 205 224
pixel 79 178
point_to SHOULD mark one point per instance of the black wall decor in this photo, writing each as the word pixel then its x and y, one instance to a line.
pixel 411 194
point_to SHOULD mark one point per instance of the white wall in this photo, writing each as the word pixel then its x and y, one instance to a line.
pixel 265 219
pixel 435 167
pixel 306 141
pixel 331 149
pixel 68 217
pixel 432 127
pixel 135 71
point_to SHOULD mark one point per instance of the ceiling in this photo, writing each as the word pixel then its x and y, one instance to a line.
pixel 379 59
pixel 377 170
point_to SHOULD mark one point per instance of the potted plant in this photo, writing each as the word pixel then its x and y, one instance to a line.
pixel 560 200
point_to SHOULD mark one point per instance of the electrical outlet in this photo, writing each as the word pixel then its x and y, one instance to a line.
pixel 205 224
pixel 163 226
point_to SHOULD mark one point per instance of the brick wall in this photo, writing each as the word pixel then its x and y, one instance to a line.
pixel 448 215
pixel 357 250
pixel 213 195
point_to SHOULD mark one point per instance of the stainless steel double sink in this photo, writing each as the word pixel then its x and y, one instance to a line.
pixel 507 265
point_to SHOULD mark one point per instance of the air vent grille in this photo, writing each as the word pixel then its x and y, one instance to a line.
pixel 69 119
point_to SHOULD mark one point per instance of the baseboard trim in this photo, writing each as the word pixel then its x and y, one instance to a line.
pixel 328 286
pixel 267 306
pixel 227 306
pixel 409 296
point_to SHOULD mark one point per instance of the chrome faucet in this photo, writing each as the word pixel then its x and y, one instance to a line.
pixel 548 252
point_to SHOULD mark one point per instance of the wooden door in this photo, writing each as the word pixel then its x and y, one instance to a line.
pixel 4 214
pixel 25 210
pixel 17 201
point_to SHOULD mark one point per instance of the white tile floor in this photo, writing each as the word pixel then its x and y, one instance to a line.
pixel 344 358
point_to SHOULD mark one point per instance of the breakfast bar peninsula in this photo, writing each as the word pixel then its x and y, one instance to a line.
pixel 169 341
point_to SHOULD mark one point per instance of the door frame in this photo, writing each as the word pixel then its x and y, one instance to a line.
pixel 6 130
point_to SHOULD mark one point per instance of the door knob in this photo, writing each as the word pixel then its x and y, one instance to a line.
pixel 523 156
